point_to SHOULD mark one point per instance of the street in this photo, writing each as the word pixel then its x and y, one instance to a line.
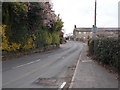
pixel 41 70
pixel 49 44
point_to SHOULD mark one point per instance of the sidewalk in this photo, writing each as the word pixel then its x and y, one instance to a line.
pixel 89 74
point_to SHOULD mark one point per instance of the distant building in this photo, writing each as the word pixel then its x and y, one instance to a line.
pixel 83 34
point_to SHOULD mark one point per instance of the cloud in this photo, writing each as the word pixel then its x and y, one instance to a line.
pixel 81 13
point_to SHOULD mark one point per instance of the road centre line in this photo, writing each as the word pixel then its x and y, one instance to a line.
pixel 26 74
pixel 26 64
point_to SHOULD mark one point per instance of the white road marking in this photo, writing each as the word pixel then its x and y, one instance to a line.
pixel 26 64
pixel 79 59
pixel 26 74
pixel 87 61
pixel 63 84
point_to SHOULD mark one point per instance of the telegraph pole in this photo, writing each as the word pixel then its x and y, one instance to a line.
pixel 94 28
pixel 95 12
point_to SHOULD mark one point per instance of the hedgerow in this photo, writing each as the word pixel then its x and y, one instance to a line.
pixel 106 50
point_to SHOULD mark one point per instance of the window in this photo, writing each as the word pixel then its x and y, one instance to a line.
pixel 79 32
pixel 90 36
pixel 90 32
pixel 84 32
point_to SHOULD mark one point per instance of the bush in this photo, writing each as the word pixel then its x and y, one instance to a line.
pixel 45 38
pixel 55 39
pixel 25 29
pixel 106 50
pixel 29 44
pixel 48 39
pixel 7 46
pixel 91 46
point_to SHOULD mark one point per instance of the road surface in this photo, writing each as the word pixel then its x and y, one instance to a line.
pixel 41 70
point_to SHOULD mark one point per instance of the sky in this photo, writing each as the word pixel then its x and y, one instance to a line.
pixel 81 13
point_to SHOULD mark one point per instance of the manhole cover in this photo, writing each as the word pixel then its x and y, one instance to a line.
pixel 46 81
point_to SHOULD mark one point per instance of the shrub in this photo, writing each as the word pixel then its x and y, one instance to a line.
pixel 55 39
pixel 29 44
pixel 4 39
pixel 5 44
pixel 14 47
pixel 25 29
pixel 48 38
pixel 91 46
pixel 106 50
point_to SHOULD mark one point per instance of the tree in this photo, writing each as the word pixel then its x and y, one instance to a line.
pixel 14 17
pixel 59 24
pixel 34 16
pixel 25 25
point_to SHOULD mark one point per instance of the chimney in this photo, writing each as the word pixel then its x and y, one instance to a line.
pixel 74 26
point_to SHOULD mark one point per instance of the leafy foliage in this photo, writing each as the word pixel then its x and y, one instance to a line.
pixel 106 50
pixel 6 45
pixel 14 16
pixel 59 24
pixel 23 26
pixel 29 44
pixel 34 17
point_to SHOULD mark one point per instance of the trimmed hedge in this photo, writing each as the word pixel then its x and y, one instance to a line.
pixel 106 50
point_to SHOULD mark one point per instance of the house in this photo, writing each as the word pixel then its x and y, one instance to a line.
pixel 83 34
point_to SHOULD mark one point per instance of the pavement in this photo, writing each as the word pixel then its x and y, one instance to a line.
pixel 41 70
pixel 89 74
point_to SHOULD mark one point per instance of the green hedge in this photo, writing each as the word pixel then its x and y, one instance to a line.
pixel 106 50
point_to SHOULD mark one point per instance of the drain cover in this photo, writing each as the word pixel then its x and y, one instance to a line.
pixel 46 81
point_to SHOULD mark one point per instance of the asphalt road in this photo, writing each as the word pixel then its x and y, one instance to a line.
pixel 41 70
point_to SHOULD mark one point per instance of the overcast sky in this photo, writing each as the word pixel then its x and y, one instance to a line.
pixel 81 13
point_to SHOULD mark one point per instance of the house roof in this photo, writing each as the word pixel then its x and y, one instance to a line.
pixel 99 29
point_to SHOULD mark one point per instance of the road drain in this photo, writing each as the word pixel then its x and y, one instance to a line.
pixel 48 81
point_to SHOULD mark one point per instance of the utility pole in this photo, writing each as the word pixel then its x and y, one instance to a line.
pixel 95 12
pixel 94 28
